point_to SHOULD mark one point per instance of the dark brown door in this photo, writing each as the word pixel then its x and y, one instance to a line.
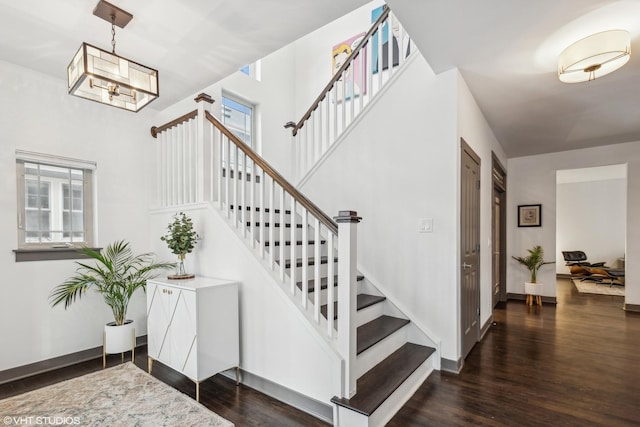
pixel 470 249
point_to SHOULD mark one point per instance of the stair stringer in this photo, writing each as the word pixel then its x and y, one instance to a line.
pixel 354 124
pixel 417 332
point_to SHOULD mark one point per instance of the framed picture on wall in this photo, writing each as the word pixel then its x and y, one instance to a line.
pixel 529 215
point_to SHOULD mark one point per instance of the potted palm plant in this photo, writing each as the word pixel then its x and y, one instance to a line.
pixel 533 262
pixel 181 240
pixel 116 275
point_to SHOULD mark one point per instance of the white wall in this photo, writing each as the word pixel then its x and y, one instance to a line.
pixel 394 175
pixel 532 179
pixel 591 217
pixel 37 114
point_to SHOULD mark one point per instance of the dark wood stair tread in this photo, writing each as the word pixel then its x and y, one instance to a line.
pixel 323 283
pixel 258 209
pixel 378 329
pixel 310 261
pixel 298 243
pixel 374 387
pixel 275 224
pixel 363 301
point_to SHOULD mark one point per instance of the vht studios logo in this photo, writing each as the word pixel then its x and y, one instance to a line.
pixel 43 421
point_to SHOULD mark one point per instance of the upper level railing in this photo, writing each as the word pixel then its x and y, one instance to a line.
pixel 354 85
pixel 200 160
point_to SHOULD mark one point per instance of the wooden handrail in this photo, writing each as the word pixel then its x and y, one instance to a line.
pixel 155 130
pixel 338 74
pixel 262 163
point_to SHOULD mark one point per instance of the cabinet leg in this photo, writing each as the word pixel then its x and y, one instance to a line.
pixel 197 391
pixel 149 364
pixel 237 375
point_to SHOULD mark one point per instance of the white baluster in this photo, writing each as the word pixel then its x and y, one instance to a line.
pixel 261 230
pixel 282 230
pixel 292 257
pixel 252 205
pixel 242 177
pixel 317 264
pixel 305 258
pixel 330 286
pixel 220 165
pixel 227 173
pixel 379 65
pixel 352 99
pixel 272 227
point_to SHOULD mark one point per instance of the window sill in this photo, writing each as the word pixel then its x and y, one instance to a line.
pixel 48 254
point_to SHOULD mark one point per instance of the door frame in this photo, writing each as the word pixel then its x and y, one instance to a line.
pixel 499 178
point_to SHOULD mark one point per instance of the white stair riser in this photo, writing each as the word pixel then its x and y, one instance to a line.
pixel 401 395
pixel 376 354
pixel 344 417
pixel 370 313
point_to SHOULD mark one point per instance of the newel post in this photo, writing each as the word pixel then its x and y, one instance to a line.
pixel 205 151
pixel 347 295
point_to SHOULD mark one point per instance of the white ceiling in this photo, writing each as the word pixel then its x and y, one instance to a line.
pixel 192 43
pixel 506 51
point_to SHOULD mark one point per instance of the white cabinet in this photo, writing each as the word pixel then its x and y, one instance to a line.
pixel 192 326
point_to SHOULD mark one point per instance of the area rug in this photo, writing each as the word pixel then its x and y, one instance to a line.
pixel 123 395
pixel 587 287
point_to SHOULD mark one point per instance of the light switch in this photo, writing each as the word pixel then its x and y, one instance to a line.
pixel 425 225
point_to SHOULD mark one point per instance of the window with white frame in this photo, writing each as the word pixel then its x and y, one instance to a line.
pixel 237 115
pixel 55 197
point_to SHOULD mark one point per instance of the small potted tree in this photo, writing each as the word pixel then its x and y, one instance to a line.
pixel 116 275
pixel 533 262
pixel 181 240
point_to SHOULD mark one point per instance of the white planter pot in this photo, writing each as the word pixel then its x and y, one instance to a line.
pixel 533 288
pixel 118 339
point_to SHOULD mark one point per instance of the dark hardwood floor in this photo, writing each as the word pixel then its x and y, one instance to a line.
pixel 574 364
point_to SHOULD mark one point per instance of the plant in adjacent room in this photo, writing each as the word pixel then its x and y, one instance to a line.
pixel 533 261
pixel 116 275
pixel 181 238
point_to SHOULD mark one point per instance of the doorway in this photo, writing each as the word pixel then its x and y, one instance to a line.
pixel 585 224
pixel 499 233
pixel 470 248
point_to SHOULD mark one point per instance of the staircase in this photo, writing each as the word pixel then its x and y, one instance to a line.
pixel 389 367
pixel 385 357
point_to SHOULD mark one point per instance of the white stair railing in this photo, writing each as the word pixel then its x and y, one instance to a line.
pixel 362 76
pixel 200 160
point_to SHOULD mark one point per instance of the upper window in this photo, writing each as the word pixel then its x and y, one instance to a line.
pixel 237 115
pixel 252 70
pixel 54 201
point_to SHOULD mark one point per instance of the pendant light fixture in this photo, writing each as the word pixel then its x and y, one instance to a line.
pixel 594 56
pixel 105 77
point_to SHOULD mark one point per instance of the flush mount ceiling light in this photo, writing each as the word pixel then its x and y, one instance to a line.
pixel 594 56
pixel 107 78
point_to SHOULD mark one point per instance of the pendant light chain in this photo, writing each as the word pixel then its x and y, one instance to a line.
pixel 113 34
